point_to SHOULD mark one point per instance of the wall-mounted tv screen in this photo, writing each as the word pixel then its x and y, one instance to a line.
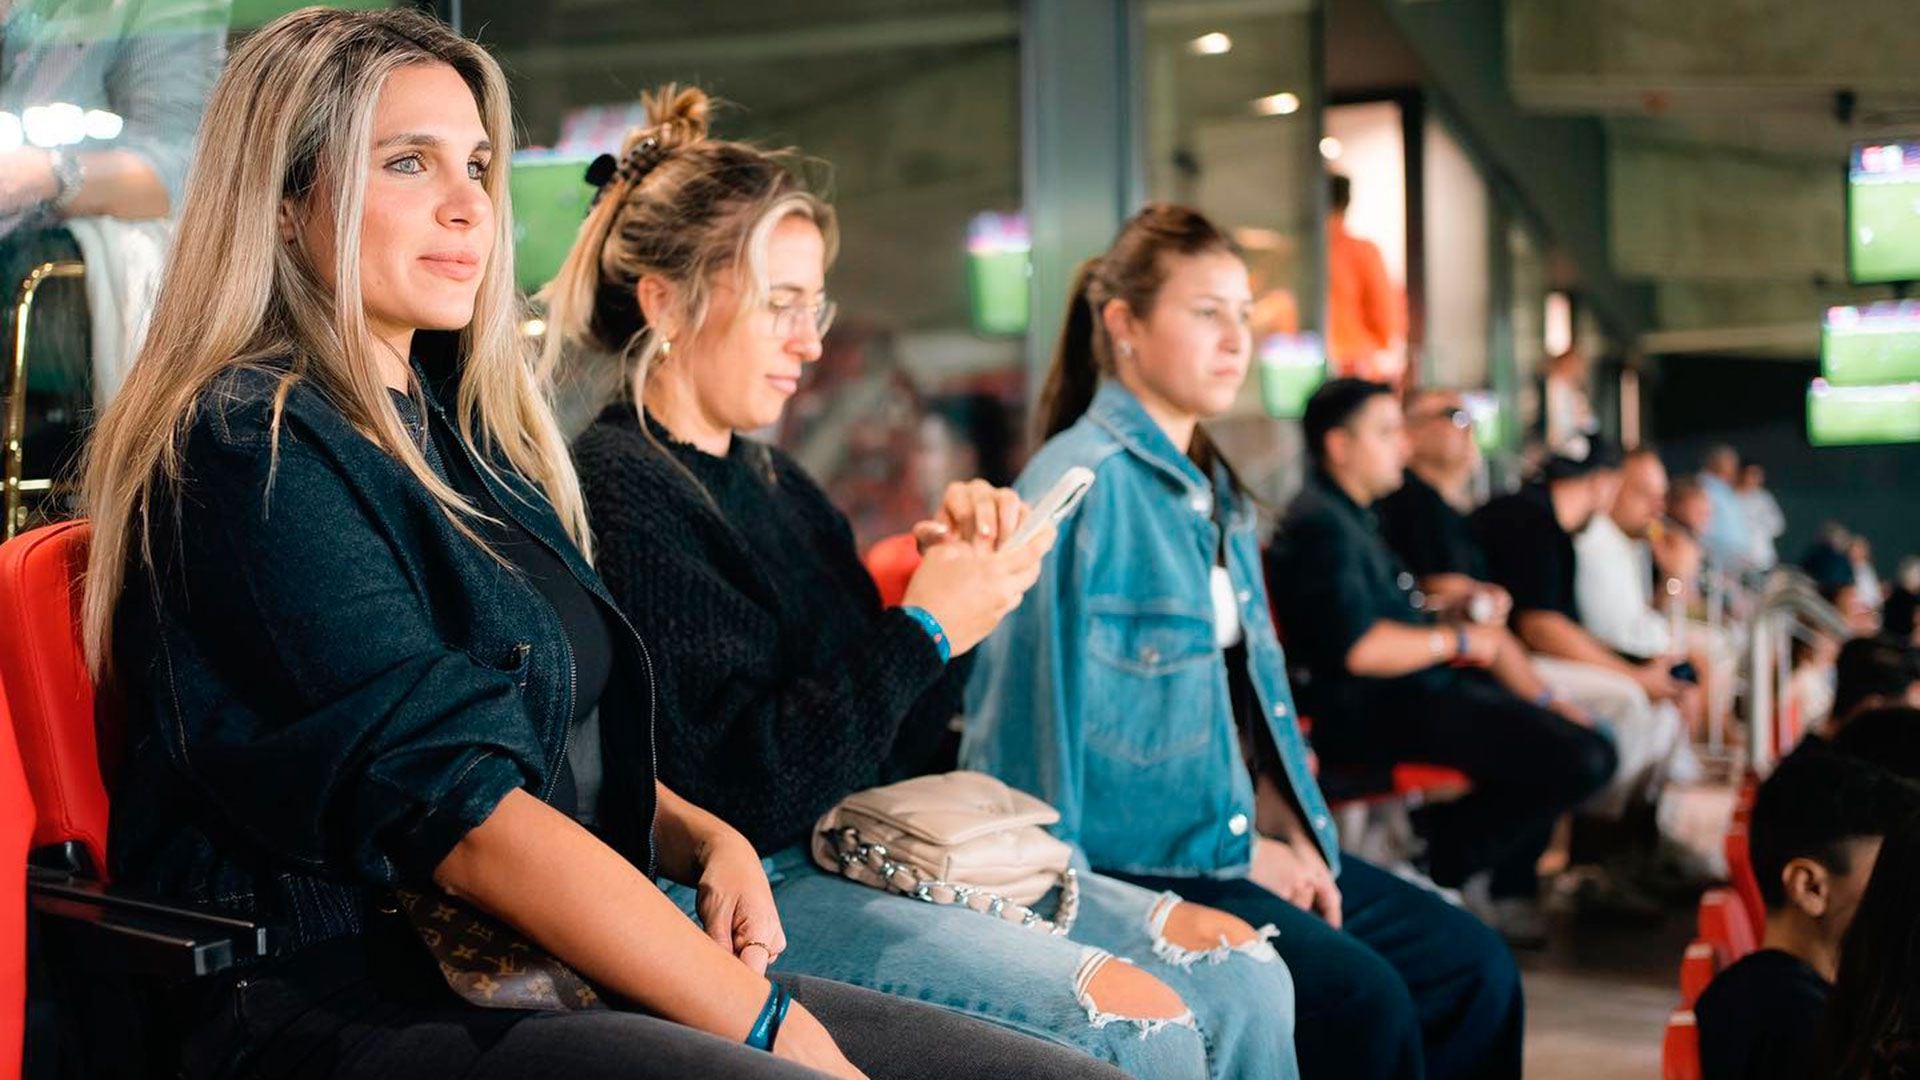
pixel 1292 367
pixel 1871 345
pixel 1883 212
pixel 550 198
pixel 1862 415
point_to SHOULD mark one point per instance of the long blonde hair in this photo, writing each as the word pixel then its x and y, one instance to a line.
pixel 680 205
pixel 291 119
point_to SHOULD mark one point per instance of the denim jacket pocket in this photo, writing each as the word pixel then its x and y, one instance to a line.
pixel 1150 687
pixel 511 661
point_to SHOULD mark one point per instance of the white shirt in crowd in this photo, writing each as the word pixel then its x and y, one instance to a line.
pixel 1765 524
pixel 1613 584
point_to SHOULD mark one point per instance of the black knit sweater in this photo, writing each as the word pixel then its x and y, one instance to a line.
pixel 783 684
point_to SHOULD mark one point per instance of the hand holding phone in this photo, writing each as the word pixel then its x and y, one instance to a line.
pixel 1053 508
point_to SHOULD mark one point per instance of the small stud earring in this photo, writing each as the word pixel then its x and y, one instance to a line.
pixel 666 348
pixel 1126 350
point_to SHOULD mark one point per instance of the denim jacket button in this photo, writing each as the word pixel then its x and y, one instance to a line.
pixel 1149 655
pixel 1280 710
pixel 1237 824
pixel 1246 595
pixel 1319 821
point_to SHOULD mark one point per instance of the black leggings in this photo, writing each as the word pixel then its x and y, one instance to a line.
pixel 340 1011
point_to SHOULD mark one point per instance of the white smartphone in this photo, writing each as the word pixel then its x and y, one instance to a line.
pixel 1067 492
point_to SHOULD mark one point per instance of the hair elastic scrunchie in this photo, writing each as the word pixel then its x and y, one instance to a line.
pixel 645 156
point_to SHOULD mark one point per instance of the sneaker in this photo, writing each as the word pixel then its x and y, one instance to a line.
pixel 1518 919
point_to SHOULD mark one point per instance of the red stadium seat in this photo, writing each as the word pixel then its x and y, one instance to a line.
pixel 892 562
pixel 16 836
pixel 1680 1052
pixel 1697 969
pixel 1724 925
pixel 45 678
pixel 1740 872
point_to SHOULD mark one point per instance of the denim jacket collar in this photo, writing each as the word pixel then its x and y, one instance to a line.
pixel 1116 409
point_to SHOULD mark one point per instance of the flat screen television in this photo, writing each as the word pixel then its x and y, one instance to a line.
pixel 999 266
pixel 1292 367
pixel 1484 407
pixel 1883 212
pixel 550 197
pixel 1871 345
pixel 1862 415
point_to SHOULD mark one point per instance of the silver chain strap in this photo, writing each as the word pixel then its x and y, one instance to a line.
pixel 902 879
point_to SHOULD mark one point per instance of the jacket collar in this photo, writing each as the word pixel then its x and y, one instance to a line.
pixel 1121 414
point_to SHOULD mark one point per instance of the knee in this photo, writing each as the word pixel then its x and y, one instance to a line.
pixel 1185 932
pixel 1112 990
pixel 1592 763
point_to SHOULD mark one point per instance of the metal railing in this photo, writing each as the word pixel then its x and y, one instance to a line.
pixel 1789 607
pixel 17 487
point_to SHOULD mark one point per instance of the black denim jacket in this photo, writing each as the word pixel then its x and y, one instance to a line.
pixel 327 685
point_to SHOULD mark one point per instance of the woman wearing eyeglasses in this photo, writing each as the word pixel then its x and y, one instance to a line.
pixel 784 684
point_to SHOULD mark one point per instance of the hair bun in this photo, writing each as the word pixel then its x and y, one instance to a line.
pixel 676 117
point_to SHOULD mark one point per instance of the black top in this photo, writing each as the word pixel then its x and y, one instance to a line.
pixel 1760 1019
pixel 1333 577
pixel 1528 553
pixel 589 643
pixel 1898 614
pixel 784 685
pixel 1429 535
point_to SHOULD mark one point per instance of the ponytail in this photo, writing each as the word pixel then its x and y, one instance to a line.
pixel 1078 357
pixel 574 298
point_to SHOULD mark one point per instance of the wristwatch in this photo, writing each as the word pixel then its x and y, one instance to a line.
pixel 68 176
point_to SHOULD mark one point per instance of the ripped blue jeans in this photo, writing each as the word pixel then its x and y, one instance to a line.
pixel 1239 1024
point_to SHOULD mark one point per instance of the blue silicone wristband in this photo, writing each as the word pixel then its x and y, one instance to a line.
pixel 1460 641
pixel 933 628
pixel 766 1026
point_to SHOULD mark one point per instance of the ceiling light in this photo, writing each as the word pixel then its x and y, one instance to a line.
pixel 1281 104
pixel 1213 44
pixel 1331 149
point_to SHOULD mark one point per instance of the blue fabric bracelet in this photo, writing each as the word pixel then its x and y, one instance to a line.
pixel 1461 643
pixel 766 1027
pixel 933 628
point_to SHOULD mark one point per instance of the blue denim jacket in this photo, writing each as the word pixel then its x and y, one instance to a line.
pixel 1105 694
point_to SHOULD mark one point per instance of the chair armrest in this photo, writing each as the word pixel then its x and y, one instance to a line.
pixel 119 931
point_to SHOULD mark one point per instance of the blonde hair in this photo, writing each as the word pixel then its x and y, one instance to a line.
pixel 683 206
pixel 291 119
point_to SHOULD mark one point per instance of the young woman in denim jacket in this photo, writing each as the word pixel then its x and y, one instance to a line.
pixel 1140 688
pixel 346 600
pixel 785 685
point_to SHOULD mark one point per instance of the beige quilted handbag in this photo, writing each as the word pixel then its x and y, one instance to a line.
pixel 958 838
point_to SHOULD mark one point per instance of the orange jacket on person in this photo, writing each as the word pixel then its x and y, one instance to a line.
pixel 1363 307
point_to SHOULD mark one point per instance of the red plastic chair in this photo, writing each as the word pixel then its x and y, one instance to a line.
pixel 16 837
pixel 1740 870
pixel 892 562
pixel 1725 926
pixel 45 677
pixel 1680 1051
pixel 1697 969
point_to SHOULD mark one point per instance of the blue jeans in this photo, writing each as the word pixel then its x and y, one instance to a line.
pixel 1409 987
pixel 1241 1000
